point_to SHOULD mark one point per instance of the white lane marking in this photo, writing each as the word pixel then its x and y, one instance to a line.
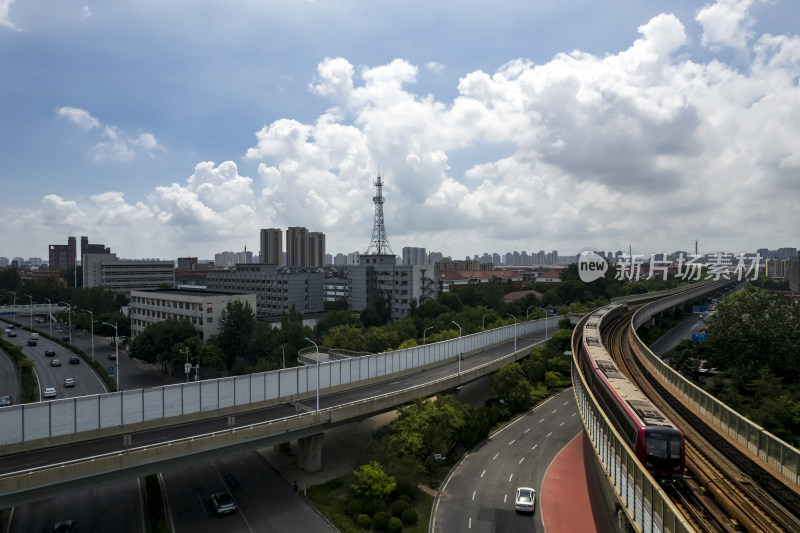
pixel 512 442
pixel 483 473
pixel 534 447
pixel 473 495
pixel 511 477
pixel 549 433
pixel 520 461
pixel 495 456
pixel 527 430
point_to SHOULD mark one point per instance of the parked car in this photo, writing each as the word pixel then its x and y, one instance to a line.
pixel 69 382
pixel 50 392
pixel 50 353
pixel 74 360
pixel 525 500
pixel 223 503
pixel 55 362
pixel 5 401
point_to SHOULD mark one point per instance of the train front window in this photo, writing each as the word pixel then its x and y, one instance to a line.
pixel 663 445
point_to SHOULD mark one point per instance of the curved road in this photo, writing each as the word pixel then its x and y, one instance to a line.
pixel 479 494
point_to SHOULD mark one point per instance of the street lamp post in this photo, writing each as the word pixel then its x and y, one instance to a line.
pixel 69 311
pixel 546 316
pixel 31 310
pixel 317 347
pixel 186 367
pixel 15 298
pixel 283 352
pixel 423 334
pixel 92 317
pixel 483 320
pixel 50 322
pixel 116 343
pixel 528 309
pixel 515 330
pixel 461 353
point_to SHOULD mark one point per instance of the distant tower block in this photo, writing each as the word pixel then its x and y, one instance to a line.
pixel 379 243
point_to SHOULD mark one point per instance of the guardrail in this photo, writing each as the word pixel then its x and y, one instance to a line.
pixel 71 419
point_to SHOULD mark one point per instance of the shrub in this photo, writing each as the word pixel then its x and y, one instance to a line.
pixel 395 525
pixel 381 520
pixel 364 521
pixel 355 507
pixel 405 497
pixel 399 506
pixel 409 517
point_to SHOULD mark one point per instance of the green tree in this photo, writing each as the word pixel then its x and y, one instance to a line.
pixel 237 323
pixel 511 384
pixel 372 483
pixel 154 345
pixel 346 338
pixel 333 319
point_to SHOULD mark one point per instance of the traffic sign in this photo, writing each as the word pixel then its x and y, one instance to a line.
pixel 699 337
pixel 188 367
pixel 699 309
pixel 111 371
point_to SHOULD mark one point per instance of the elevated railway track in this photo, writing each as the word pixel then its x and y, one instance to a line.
pixel 724 490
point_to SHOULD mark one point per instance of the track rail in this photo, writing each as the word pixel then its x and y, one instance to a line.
pixel 717 495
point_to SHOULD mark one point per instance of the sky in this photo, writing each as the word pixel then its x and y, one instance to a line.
pixel 180 129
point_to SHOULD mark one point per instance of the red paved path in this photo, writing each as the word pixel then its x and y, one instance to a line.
pixel 571 500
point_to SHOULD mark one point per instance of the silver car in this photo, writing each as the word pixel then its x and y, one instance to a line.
pixel 525 500
pixel 223 503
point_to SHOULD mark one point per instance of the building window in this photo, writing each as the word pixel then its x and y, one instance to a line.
pixel 210 319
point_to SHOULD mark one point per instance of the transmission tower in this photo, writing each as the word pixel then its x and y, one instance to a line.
pixel 379 240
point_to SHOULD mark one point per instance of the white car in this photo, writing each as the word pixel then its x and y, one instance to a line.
pixel 525 500
pixel 69 382
pixel 50 392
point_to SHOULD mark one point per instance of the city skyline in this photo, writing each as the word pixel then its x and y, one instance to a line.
pixel 559 125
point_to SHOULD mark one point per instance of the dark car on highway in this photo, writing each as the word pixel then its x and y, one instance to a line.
pixel 74 360
pixel 50 353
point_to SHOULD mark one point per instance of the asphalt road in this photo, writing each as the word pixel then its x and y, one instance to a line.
pixel 479 494
pixel 115 507
pixel 265 502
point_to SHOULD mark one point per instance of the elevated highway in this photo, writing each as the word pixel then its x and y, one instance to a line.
pixel 220 421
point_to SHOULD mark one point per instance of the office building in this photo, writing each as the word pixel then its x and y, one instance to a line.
pixel 126 275
pixel 403 284
pixel 63 256
pixel 277 289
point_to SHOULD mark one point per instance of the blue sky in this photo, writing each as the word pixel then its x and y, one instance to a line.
pixel 182 128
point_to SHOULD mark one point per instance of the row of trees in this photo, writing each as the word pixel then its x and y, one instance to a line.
pixel 245 345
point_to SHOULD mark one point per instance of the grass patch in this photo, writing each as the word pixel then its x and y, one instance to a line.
pixel 156 513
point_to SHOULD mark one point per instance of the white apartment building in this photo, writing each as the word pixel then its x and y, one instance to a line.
pixel 201 308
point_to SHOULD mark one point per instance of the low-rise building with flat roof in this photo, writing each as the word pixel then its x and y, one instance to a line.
pixel 202 308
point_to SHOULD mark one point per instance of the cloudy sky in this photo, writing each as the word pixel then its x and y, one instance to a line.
pixel 173 129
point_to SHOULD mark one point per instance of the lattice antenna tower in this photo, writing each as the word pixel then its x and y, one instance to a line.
pixel 379 240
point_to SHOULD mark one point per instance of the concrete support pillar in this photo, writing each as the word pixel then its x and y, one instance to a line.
pixel 284 447
pixel 310 453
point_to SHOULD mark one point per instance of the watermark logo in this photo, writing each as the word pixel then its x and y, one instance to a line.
pixel 591 266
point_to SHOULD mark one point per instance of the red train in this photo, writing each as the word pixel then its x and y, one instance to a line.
pixel 657 443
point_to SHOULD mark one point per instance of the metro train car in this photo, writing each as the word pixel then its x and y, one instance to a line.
pixel 657 443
